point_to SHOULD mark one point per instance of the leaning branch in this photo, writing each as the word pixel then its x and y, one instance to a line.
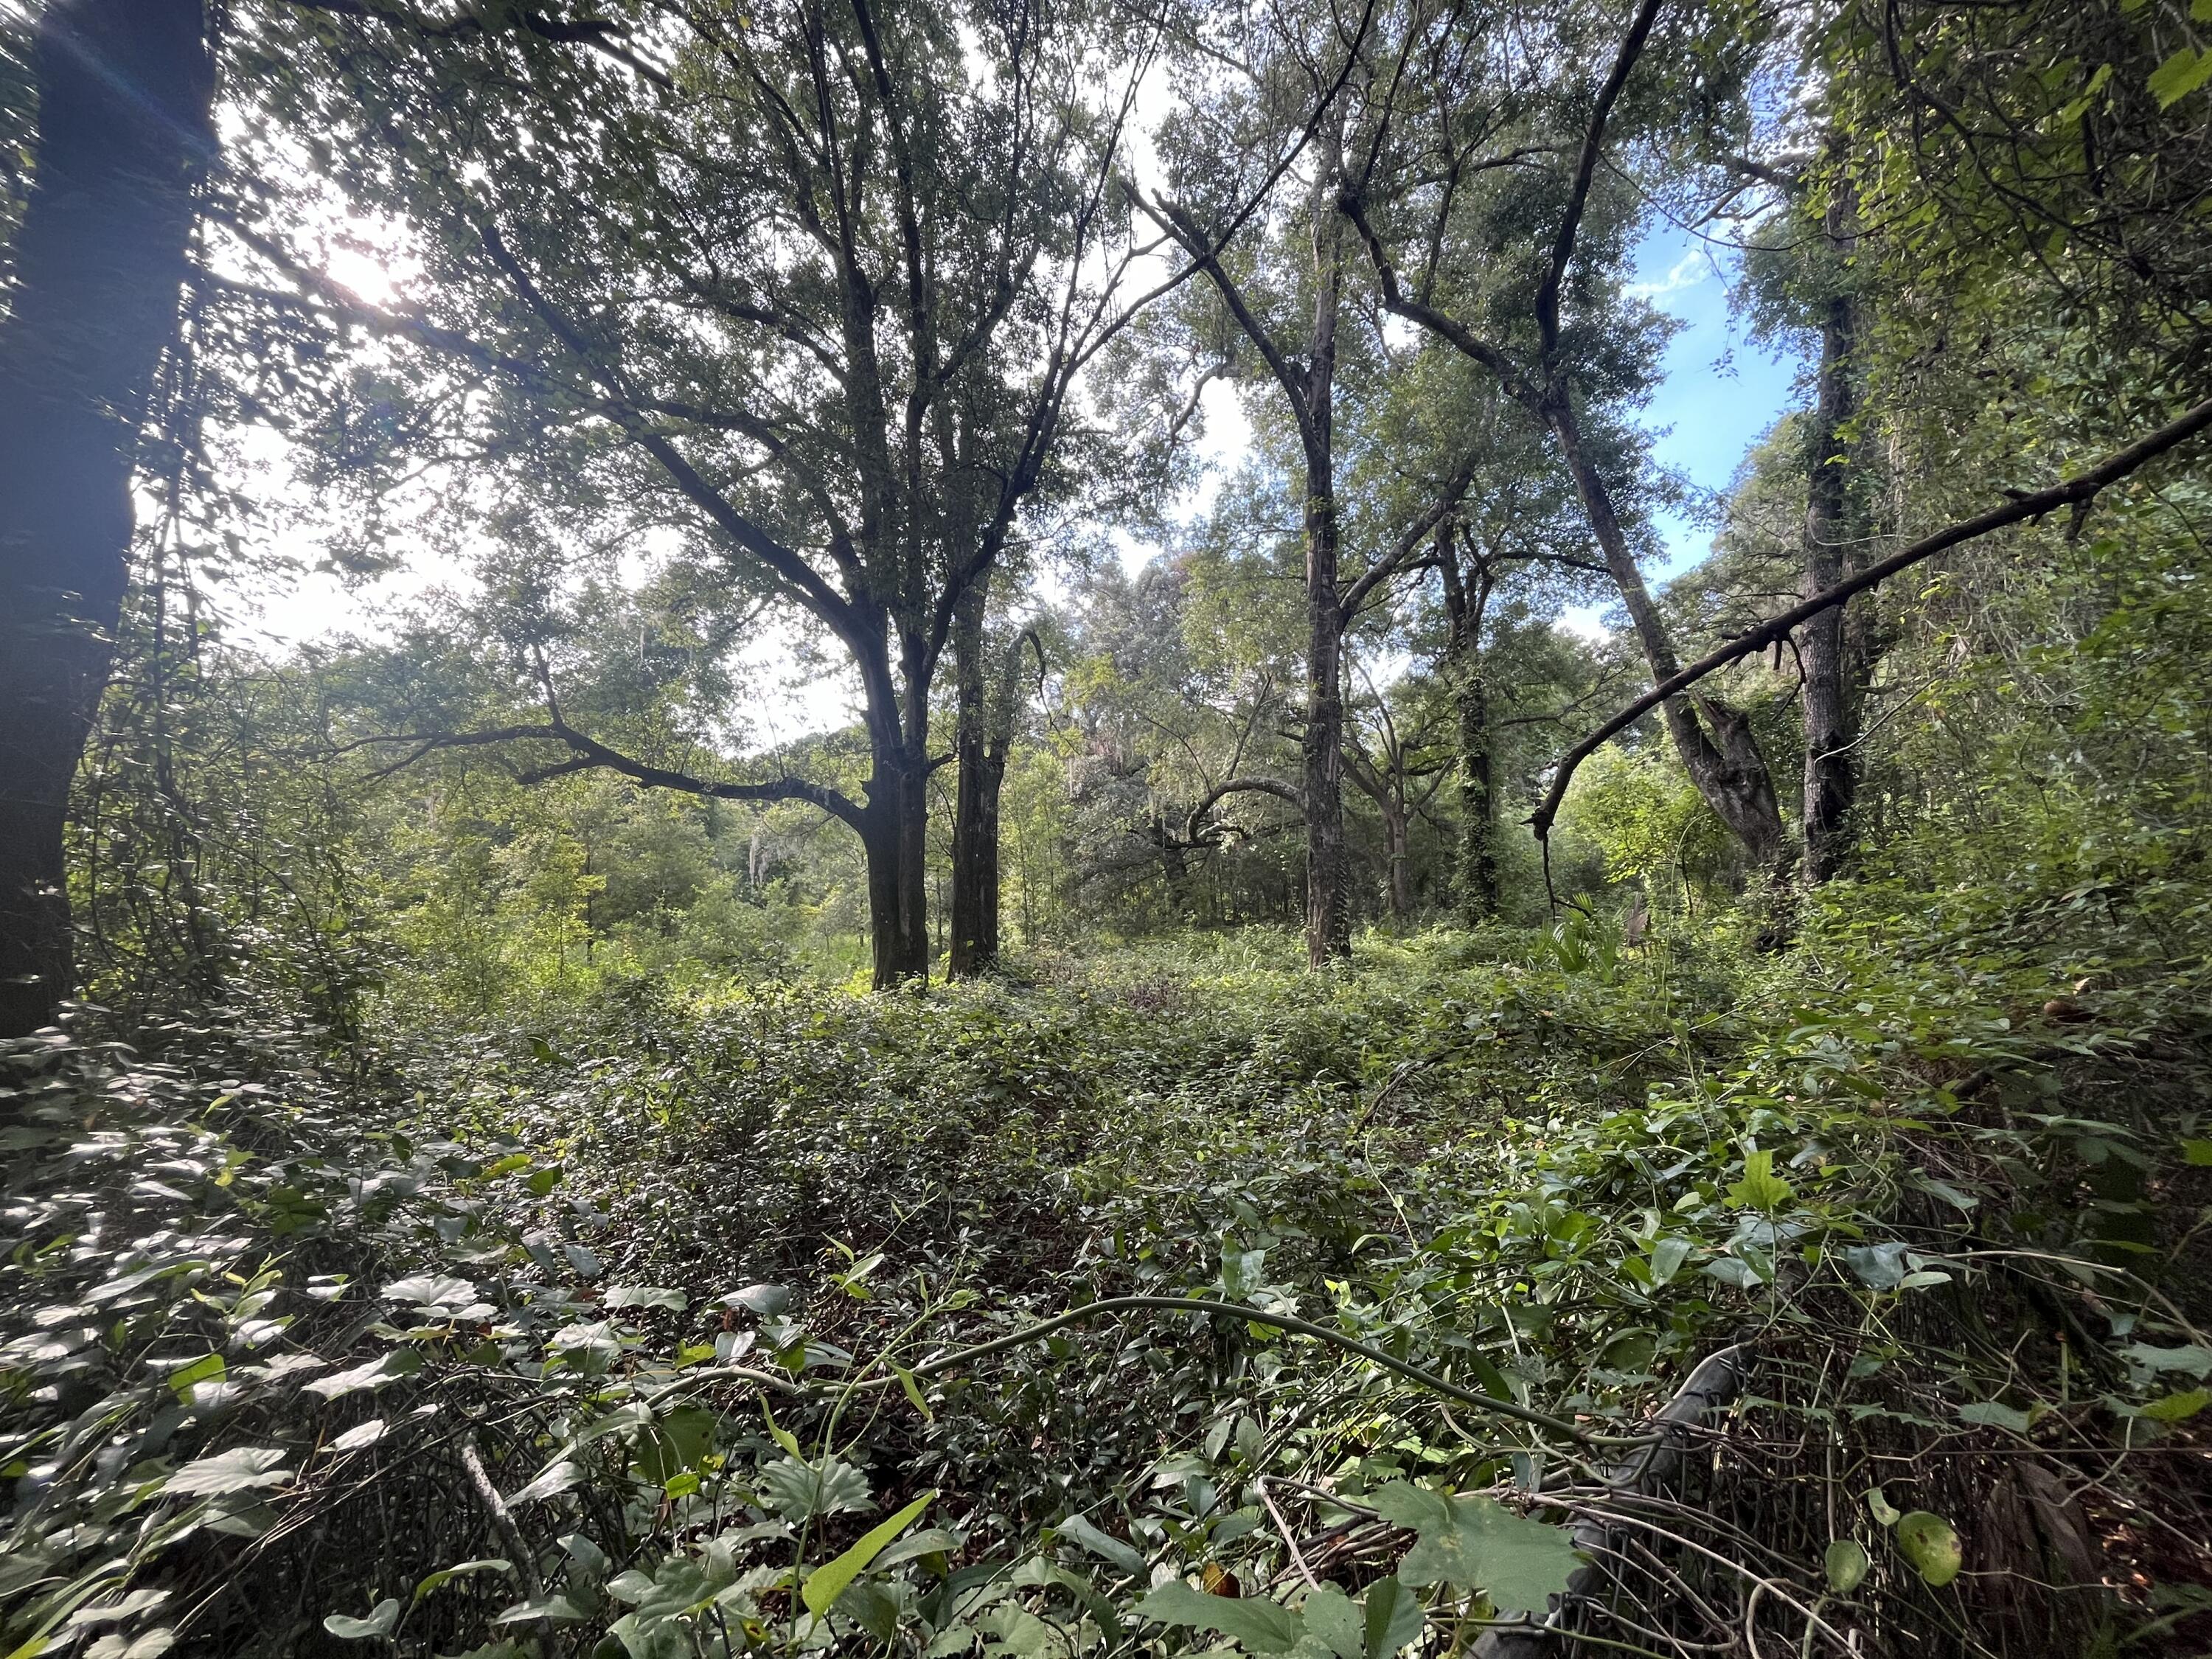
pixel 1214 797
pixel 2077 493
pixel 588 754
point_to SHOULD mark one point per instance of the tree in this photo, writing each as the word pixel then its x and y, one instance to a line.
pixel 97 267
pixel 1480 161
pixel 813 296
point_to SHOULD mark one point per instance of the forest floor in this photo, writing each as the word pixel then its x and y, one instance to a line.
pixel 1443 1221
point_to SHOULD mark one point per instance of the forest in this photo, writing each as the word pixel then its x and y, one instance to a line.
pixel 1106 828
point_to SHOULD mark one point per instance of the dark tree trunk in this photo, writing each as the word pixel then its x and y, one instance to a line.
pixel 123 89
pixel 1478 860
pixel 1465 606
pixel 981 768
pixel 1397 836
pixel 1831 694
pixel 894 833
pixel 1328 916
pixel 1726 767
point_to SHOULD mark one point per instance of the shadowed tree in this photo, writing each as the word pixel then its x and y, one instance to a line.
pixel 95 272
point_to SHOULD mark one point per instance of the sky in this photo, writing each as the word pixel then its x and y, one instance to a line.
pixel 1719 393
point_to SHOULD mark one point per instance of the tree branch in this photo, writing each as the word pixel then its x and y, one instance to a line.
pixel 2077 493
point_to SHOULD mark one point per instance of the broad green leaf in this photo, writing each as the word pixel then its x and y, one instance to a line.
pixel 1667 1256
pixel 1078 1531
pixel 1996 1415
pixel 1846 1564
pixel 1931 1545
pixel 1760 1188
pixel 796 1489
pixel 828 1581
pixel 2175 1406
pixel 1477 1543
pixel 644 1296
pixel 2179 76
pixel 2196 1153
pixel 1262 1626
pixel 433 1291
pixel 243 1469
pixel 383 1618
pixel 437 1581
pixel 1332 1618
pixel 1880 1507
pixel 373 1374
pixel 675 1441
pixel 1392 1617
pixel 207 1368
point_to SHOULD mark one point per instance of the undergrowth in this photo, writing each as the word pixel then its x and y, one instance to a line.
pixel 1167 1300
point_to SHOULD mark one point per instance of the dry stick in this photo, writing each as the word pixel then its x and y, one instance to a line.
pixel 2076 492
pixel 502 1519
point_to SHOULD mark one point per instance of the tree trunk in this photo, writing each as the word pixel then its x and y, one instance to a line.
pixel 1478 860
pixel 1727 768
pixel 1329 917
pixel 974 909
pixel 893 834
pixel 1831 696
pixel 123 89
pixel 1396 836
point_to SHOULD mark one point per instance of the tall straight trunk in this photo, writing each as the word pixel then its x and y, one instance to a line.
pixel 123 89
pixel 1397 836
pixel 1831 697
pixel 894 835
pixel 1328 915
pixel 1478 858
pixel 975 907
pixel 1726 767
pixel 1328 911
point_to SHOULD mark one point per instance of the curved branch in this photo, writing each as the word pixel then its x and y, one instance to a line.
pixel 1239 786
pixel 588 754
pixel 2077 493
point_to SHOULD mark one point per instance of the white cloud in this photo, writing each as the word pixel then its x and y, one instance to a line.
pixel 1694 267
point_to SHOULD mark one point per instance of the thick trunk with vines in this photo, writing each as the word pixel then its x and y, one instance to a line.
pixel 99 261
pixel 1478 896
pixel 1328 914
pixel 981 768
pixel 1719 751
pixel 1831 694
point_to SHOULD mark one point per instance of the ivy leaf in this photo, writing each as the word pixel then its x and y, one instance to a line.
pixel 382 1620
pixel 437 1581
pixel 1928 1543
pixel 243 1469
pixel 433 1291
pixel 1667 1256
pixel 643 1296
pixel 374 1374
pixel 1393 1617
pixel 796 1489
pixel 1262 1626
pixel 1760 1187
pixel 1477 1543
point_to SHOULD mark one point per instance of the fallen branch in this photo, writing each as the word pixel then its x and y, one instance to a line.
pixel 2076 492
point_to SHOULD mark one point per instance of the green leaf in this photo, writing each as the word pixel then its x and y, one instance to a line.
pixel 1477 1543
pixel 1931 1545
pixel 1667 1256
pixel 1081 1533
pixel 2175 1406
pixel 676 1441
pixel 1994 1414
pixel 382 1620
pixel 828 1581
pixel 373 1374
pixel 242 1469
pixel 1392 1616
pixel 207 1368
pixel 1760 1187
pixel 433 1291
pixel 643 1296
pixel 444 1575
pixel 912 1390
pixel 2197 1154
pixel 1332 1618
pixel 2179 76
pixel 1846 1564
pixel 797 1489
pixel 1880 1507
pixel 1262 1626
